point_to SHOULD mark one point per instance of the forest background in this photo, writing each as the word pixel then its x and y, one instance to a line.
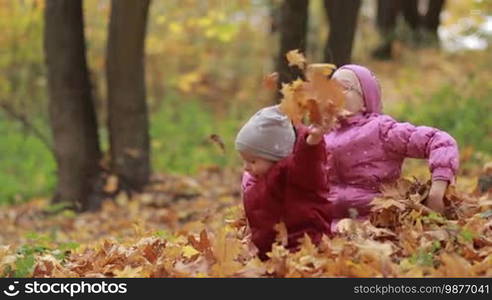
pixel 204 64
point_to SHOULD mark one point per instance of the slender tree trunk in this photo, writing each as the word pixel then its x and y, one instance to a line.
pixel 274 10
pixel 72 117
pixel 410 10
pixel 432 17
pixel 411 14
pixel 127 108
pixel 387 12
pixel 293 19
pixel 342 17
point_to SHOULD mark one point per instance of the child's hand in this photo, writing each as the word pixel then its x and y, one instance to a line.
pixel 316 133
pixel 436 195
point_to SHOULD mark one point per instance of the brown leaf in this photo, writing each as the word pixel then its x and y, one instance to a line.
pixel 270 81
pixel 282 235
pixel 111 184
pixel 218 141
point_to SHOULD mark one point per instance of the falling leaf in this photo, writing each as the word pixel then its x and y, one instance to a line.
pixel 270 81
pixel 218 141
pixel 133 152
pixel 111 184
pixel 296 58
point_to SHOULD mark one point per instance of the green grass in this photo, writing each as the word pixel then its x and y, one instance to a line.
pixel 467 117
pixel 27 167
pixel 180 131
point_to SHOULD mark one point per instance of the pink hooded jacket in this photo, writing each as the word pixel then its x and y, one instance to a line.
pixel 368 149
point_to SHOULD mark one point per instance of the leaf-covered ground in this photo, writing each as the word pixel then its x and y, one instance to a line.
pixel 194 227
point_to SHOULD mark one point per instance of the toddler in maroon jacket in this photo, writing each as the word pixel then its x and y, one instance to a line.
pixel 284 180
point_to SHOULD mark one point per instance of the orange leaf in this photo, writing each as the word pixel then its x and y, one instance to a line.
pixel 270 81
pixel 319 97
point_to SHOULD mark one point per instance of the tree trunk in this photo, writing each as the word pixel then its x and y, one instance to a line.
pixel 342 17
pixel 411 14
pixel 293 21
pixel 387 12
pixel 127 108
pixel 72 117
pixel 432 17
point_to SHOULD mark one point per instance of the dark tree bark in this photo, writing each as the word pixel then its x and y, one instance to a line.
pixel 72 117
pixel 387 12
pixel 424 27
pixel 293 19
pixel 410 10
pixel 274 10
pixel 432 17
pixel 342 17
pixel 127 108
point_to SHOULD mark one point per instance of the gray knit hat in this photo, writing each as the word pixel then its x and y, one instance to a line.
pixel 269 134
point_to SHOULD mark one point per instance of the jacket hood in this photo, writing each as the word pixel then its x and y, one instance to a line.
pixel 371 90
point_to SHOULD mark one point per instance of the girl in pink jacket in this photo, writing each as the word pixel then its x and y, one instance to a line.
pixel 368 149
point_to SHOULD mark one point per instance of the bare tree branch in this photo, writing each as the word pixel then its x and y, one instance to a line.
pixel 10 111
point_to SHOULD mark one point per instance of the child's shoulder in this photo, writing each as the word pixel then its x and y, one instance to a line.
pixel 384 121
pixel 364 122
pixel 382 118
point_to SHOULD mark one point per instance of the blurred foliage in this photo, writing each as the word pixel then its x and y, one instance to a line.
pixel 27 168
pixel 468 13
pixel 465 117
pixel 22 81
pixel 181 133
pixel 207 51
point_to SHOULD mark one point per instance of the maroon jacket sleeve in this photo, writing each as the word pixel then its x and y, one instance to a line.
pixel 262 199
pixel 307 166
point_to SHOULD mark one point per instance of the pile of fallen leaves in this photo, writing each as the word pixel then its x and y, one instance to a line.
pixel 194 227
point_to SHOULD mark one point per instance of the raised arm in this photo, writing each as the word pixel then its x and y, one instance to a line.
pixel 307 167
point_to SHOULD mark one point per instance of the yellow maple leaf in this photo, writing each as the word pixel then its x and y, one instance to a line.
pixel 189 251
pixel 226 251
pixel 325 69
pixel 254 268
pixel 293 103
pixel 319 98
pixel 296 58
pixel 129 272
pixel 325 95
